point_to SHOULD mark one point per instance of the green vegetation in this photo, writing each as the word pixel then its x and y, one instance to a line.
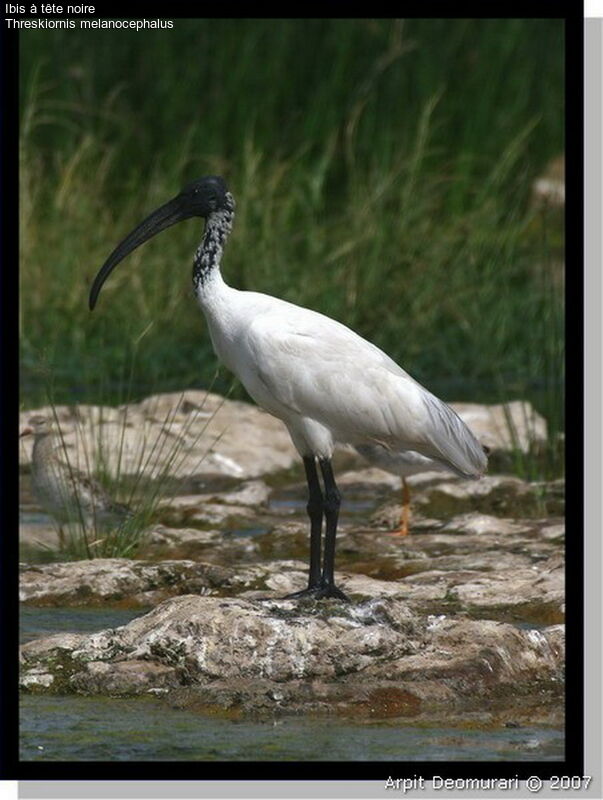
pixel 140 480
pixel 383 175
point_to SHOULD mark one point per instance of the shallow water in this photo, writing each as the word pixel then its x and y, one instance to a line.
pixel 99 728
pixel 72 728
pixel 38 622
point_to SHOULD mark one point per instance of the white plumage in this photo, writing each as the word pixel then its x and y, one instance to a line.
pixel 324 381
pixel 327 383
pixel 403 462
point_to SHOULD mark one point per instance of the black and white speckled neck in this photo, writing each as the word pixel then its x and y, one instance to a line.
pixel 209 252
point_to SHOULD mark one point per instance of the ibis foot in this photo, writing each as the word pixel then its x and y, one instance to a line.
pixel 309 592
pixel 332 591
pixel 318 593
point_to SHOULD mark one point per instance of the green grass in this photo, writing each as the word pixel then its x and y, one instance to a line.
pixel 141 483
pixel 382 172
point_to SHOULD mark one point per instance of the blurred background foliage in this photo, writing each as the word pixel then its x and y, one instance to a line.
pixel 383 171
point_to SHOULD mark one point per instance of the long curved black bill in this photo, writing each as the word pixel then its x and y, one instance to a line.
pixel 169 214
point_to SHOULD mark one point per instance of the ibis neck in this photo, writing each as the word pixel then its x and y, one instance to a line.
pixel 209 253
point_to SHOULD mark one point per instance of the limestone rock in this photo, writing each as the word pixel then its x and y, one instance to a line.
pixel 120 581
pixel 261 656
pixel 504 426
pixel 517 590
pixel 205 433
pixel 499 495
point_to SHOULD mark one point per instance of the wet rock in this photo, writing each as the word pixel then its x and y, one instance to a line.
pixel 118 581
pixel 512 589
pixel 493 503
pixel 225 509
pixel 248 493
pixel 195 509
pixel 182 434
pixel 537 594
pixel 124 582
pixel 388 517
pixel 124 678
pixel 498 495
pixel 376 658
pixel 474 522
pixel 486 561
pixel 213 546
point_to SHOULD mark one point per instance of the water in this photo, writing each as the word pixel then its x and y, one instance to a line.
pixel 122 729
pixel 74 728
pixel 38 622
pixel 357 500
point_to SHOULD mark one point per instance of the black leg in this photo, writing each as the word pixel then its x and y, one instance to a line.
pixel 332 502
pixel 315 511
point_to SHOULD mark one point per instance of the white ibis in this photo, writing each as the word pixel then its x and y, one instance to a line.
pixel 68 495
pixel 325 382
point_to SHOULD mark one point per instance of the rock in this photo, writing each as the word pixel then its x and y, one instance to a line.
pixel 498 495
pixel 226 509
pixel 370 476
pixel 388 517
pixel 494 502
pixel 504 426
pixel 192 433
pixel 124 678
pixel 553 533
pixel 186 509
pixel 120 581
pixel 249 493
pixel 537 595
pixel 517 590
pixel 213 546
pixel 474 522
pixel 376 658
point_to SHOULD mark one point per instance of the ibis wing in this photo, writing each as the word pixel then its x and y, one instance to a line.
pixel 450 440
pixel 315 367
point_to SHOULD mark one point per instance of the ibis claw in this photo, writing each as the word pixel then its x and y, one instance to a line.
pixel 318 593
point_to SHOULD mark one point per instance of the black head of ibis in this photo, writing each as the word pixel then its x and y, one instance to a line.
pixel 200 198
